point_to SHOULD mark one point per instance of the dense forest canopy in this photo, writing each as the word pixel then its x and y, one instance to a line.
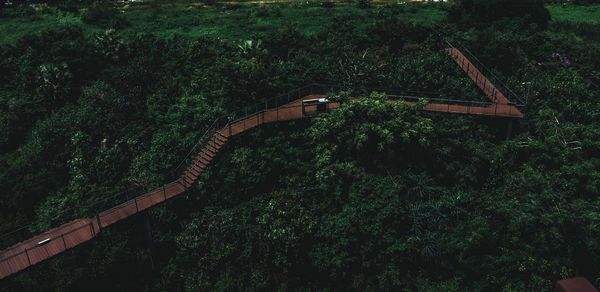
pixel 95 98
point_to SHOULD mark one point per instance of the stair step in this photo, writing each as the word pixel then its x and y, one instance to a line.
pixel 185 181
pixel 192 178
pixel 212 143
pixel 181 182
pixel 204 160
pixel 220 137
pixel 218 142
pixel 219 133
pixel 210 149
pixel 206 153
pixel 198 166
pixel 207 156
pixel 194 172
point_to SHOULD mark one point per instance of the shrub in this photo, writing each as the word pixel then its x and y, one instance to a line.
pixel 363 3
pixel 327 4
pixel 266 11
pixel 22 10
pixel 483 11
pixel 68 6
pixel 208 2
pixel 103 15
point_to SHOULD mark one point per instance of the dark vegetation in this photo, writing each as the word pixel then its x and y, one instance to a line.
pixel 368 197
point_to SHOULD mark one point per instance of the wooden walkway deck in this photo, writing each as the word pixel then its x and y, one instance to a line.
pixel 34 250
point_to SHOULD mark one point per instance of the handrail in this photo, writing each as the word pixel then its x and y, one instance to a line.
pixel 240 114
pixel 236 115
pixel 495 80
pixel 193 149
pixel 17 260
pixel 7 242
pixel 244 112
pixel 314 88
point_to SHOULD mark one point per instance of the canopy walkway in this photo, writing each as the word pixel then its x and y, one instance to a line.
pixel 291 106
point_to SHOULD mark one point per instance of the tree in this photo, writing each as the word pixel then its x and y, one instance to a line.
pixel 484 11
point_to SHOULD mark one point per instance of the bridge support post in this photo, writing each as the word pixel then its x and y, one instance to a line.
pixel 509 129
pixel 148 237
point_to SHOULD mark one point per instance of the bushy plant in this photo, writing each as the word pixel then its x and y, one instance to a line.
pixel 327 4
pixel 69 5
pixel 485 11
pixel 103 14
pixel 363 3
pixel 22 11
pixel 265 11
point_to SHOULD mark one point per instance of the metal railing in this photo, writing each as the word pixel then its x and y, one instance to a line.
pixel 238 115
pixel 89 209
pixel 126 200
pixel 489 74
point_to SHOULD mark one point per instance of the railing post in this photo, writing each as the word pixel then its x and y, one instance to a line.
pixel 92 228
pixel 484 85
pixel 164 192
pixel 62 236
pixel 98 221
pixel 28 259
pixel 137 210
pixel 277 108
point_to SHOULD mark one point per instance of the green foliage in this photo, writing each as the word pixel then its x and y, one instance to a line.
pixel 372 196
pixel 103 14
pixel 380 127
pixel 363 3
pixel 482 11
pixel 575 13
